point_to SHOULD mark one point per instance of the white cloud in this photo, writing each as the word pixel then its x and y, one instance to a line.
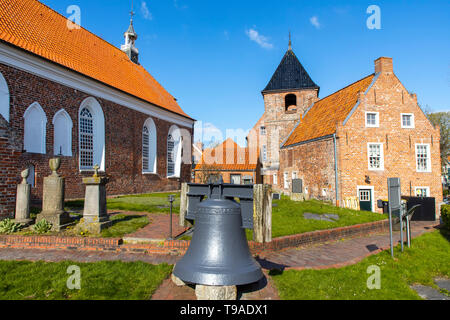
pixel 259 39
pixel 145 11
pixel 315 22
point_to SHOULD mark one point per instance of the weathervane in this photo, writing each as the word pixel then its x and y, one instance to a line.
pixel 290 43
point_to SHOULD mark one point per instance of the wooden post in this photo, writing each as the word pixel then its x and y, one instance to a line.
pixel 258 205
pixel 262 213
pixel 184 205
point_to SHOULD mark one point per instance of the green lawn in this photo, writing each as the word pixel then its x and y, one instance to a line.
pixel 154 202
pixel 124 224
pixel 287 217
pixel 23 280
pixel 428 257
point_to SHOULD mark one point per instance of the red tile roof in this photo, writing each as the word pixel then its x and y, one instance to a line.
pixel 234 158
pixel 34 27
pixel 322 119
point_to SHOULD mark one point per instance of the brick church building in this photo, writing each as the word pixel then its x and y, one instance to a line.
pixel 65 92
pixel 347 144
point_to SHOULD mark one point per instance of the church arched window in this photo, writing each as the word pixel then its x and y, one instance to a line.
pixel 290 102
pixel 91 135
pixel 149 140
pixel 174 152
pixel 34 129
pixel 4 98
pixel 62 128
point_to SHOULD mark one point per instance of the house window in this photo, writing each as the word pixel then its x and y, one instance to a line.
pixel 263 131
pixel 423 162
pixel 264 153
pixel 422 191
pixel 372 119
pixel 235 178
pixel 286 180
pixel 35 129
pixel 290 102
pixel 294 175
pixel 91 135
pixel 4 98
pixel 149 147
pixel 275 178
pixel 407 120
pixel 375 154
pixel 62 140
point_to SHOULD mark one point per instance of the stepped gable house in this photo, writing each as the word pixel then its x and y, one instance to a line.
pixel 347 144
pixel 65 92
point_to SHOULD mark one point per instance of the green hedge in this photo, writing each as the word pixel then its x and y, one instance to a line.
pixel 445 214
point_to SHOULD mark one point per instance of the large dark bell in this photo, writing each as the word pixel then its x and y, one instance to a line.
pixel 218 254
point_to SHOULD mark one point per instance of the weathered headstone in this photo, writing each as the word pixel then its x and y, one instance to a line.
pixel 23 200
pixel 262 213
pixel 53 199
pixel 184 206
pixel 95 216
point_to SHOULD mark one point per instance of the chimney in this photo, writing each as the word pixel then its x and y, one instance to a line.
pixel 384 65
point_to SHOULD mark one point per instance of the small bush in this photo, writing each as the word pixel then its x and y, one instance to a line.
pixel 445 214
pixel 8 226
pixel 42 226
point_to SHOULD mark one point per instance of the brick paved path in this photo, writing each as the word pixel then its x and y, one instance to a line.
pixel 158 229
pixel 337 254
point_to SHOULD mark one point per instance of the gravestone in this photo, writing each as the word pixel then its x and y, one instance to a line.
pixel 53 199
pixel 95 216
pixel 22 215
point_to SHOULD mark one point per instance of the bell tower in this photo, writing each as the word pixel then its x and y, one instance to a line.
pixel 130 38
pixel 287 96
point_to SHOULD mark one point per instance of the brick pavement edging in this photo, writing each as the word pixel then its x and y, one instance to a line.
pixel 179 247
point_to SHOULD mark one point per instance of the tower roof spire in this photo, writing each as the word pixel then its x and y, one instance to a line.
pixel 290 42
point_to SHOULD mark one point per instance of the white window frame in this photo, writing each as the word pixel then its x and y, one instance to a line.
pixel 423 188
pixel 236 175
pixel 98 134
pixel 175 132
pixel 294 175
pixel 152 158
pixel 381 156
pixel 264 153
pixel 377 119
pixel 68 127
pixel 412 120
pixel 263 130
pixel 275 178
pixel 43 128
pixel 286 180
pixel 428 169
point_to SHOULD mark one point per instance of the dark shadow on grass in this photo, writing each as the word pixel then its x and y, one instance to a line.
pixel 445 233
pixel 125 218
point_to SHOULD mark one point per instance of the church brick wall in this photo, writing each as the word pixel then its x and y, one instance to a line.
pixel 123 142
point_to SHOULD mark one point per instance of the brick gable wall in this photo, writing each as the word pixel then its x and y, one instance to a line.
pixel 390 99
pixel 123 140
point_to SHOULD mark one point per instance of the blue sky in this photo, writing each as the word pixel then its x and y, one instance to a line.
pixel 215 57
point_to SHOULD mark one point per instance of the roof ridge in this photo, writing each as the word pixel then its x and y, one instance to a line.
pixel 355 82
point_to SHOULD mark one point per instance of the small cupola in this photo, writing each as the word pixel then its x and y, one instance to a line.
pixel 130 38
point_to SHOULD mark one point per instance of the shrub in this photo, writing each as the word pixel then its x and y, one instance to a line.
pixel 42 226
pixel 8 226
pixel 445 214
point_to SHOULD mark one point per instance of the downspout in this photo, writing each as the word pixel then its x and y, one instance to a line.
pixel 336 169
